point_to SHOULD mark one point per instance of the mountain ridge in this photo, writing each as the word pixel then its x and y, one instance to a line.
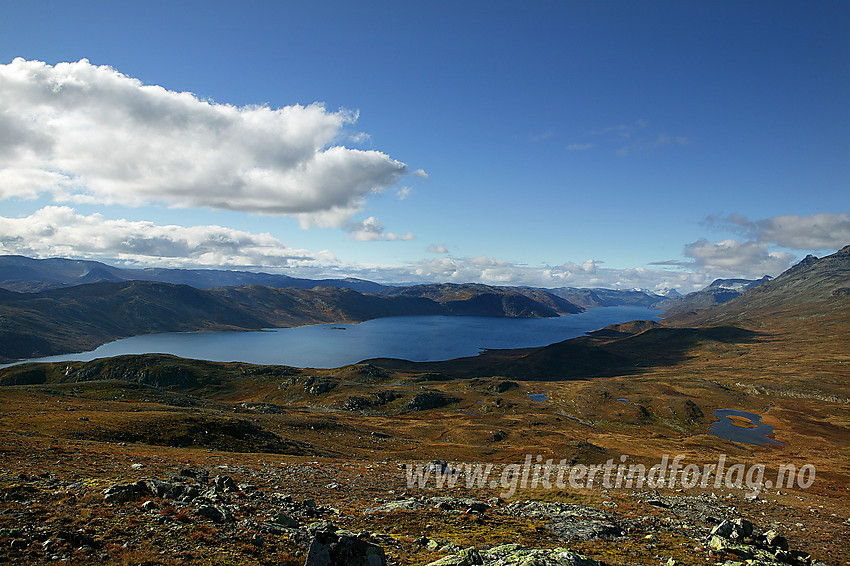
pixel 812 287
pixel 25 274
pixel 85 316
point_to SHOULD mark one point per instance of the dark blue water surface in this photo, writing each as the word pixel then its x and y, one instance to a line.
pixel 726 429
pixel 415 338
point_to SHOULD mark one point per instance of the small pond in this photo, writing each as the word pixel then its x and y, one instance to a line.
pixel 741 426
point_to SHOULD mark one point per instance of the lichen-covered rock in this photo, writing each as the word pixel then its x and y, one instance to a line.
pixel 516 555
pixel 570 522
pixel 400 505
pixel 466 557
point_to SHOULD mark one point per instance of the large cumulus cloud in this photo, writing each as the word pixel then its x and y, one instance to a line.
pixel 87 133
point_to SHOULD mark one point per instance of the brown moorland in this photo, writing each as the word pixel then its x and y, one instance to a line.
pixel 303 445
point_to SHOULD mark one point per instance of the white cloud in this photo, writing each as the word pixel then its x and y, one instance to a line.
pixel 499 272
pixel 58 231
pixel 814 232
pixel 420 173
pixel 621 130
pixel 371 230
pixel 540 137
pixel 647 145
pixel 638 137
pixel 86 133
pixel 403 193
pixel 737 258
pixel 589 266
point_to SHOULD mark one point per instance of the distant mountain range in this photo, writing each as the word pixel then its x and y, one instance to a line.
pixel 24 274
pixel 597 297
pixel 718 292
pixel 27 275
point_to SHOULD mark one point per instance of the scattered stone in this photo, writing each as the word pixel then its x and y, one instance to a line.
pixel 267 408
pixel 321 527
pixel 743 528
pixel 315 386
pixel 215 513
pixel 357 403
pixel 122 493
pixel 477 507
pixel 724 529
pixel 225 484
pixel 329 548
pixel 739 538
pixel 775 540
pixel 285 520
pixel 503 386
pixel 427 400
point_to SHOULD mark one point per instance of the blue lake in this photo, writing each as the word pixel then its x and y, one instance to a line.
pixel 415 338
pixel 757 433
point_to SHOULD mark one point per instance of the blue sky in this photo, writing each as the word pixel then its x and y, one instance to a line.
pixel 617 144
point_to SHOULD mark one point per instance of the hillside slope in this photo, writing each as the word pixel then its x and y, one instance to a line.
pixel 85 316
pixel 718 292
pixel 487 300
pixel 814 288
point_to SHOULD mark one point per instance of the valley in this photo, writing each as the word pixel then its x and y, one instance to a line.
pixel 307 447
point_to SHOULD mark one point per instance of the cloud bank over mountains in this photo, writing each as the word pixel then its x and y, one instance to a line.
pixel 59 231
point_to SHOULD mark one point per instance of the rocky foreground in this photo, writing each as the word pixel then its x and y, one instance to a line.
pixel 203 515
